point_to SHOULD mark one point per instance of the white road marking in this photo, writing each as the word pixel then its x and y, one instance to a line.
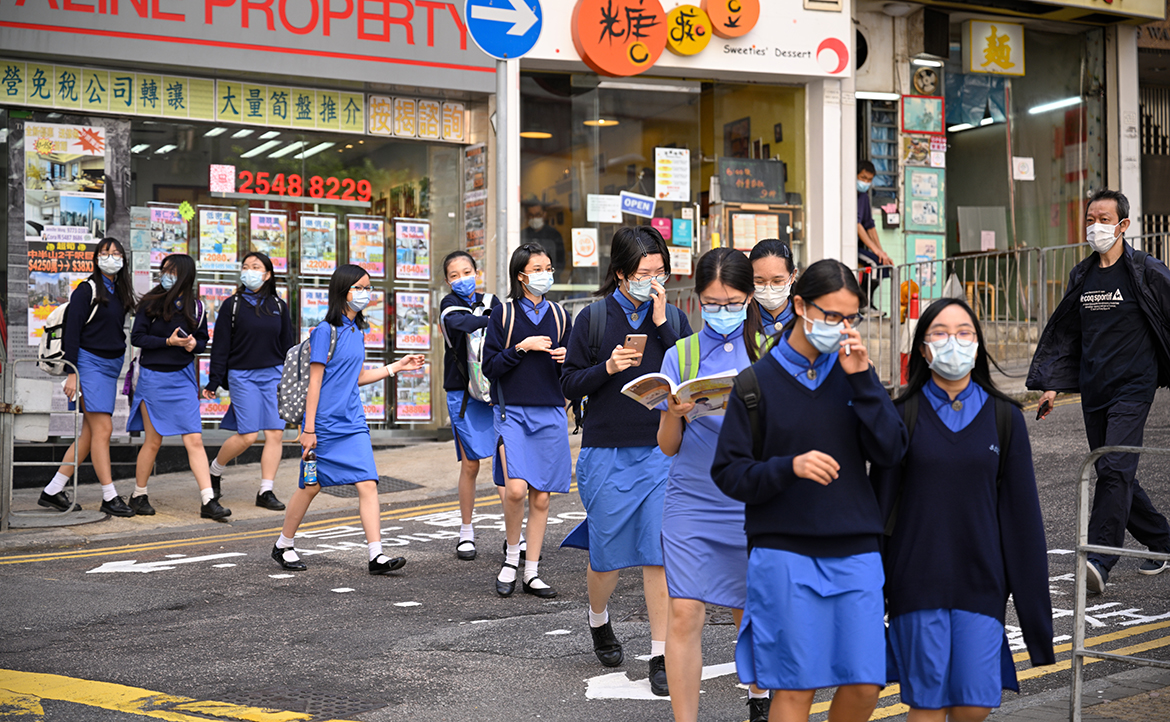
pixel 557 632
pixel 223 566
pixel 342 590
pixel 282 576
pixel 132 565
pixel 175 556
pixel 407 604
pixel 1061 551
pixel 617 685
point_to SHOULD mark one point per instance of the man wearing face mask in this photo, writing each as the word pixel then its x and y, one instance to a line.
pixel 1108 339
pixel 539 231
pixel 870 253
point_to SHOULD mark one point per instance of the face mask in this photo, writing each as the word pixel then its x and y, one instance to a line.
pixel 952 360
pixel 825 337
pixel 536 223
pixel 772 298
pixel 539 282
pixel 360 300
pixel 167 281
pixel 252 280
pixel 1101 237
pixel 724 322
pixel 110 266
pixel 864 186
pixel 464 286
pixel 640 291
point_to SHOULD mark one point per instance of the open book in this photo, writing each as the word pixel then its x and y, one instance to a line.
pixel 709 393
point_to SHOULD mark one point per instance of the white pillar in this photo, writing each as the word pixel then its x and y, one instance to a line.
pixel 824 139
pixel 513 159
pixel 1123 116
pixel 848 140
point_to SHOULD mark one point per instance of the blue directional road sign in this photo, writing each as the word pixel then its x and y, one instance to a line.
pixel 504 29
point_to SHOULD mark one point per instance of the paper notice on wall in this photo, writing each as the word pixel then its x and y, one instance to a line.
pixel 938 159
pixel 680 261
pixel 603 209
pixel 1023 169
pixel 672 174
pixel 585 254
pixel 987 240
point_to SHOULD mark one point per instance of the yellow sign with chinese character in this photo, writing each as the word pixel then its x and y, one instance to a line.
pixel 429 119
pixel 40 84
pixel 328 110
pixel 229 101
pixel 202 99
pixel 302 106
pixel 453 121
pixel 278 106
pixel 352 112
pixel 176 94
pixel 14 82
pixel 123 92
pixel 993 47
pixel 150 94
pixel 67 87
pixel 688 30
pixel 254 104
pixel 381 115
pixel 95 90
pixel 405 117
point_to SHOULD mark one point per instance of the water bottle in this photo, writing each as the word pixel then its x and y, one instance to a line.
pixel 309 468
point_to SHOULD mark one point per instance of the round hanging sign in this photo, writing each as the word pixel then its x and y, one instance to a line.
pixel 732 18
pixel 688 30
pixel 619 38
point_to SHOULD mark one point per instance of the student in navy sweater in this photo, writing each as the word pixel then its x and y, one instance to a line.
pixel 773 272
pixel 522 356
pixel 962 540
pixel 814 582
pixel 171 330
pixel 621 472
pixel 253 332
pixel 97 347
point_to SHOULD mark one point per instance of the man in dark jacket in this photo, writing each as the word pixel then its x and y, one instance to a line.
pixel 1109 340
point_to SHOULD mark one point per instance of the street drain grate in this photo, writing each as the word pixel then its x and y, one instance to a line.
pixel 386 485
pixel 322 705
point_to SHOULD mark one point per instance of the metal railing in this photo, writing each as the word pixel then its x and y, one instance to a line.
pixel 1083 549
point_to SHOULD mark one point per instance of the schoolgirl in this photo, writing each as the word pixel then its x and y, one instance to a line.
pixel 621 472
pixel 522 357
pixel 95 342
pixel 773 272
pixel 814 583
pixel 703 543
pixel 335 427
pixel 967 530
pixel 171 330
pixel 463 311
pixel 253 332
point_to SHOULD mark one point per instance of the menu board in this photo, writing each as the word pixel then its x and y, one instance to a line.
pixel 748 229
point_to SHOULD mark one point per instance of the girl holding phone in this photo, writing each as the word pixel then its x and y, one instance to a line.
pixel 773 271
pixel 621 472
pixel 334 427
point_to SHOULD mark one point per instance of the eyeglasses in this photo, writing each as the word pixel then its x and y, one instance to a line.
pixel 775 286
pixel 716 307
pixel 661 278
pixel 360 288
pixel 964 338
pixel 834 318
pixel 108 256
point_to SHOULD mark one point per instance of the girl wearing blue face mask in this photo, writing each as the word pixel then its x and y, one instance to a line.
pixel 334 426
pixel 966 530
pixel 253 332
pixel 704 548
pixel 814 609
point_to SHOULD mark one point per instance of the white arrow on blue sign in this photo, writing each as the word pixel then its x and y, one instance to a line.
pixel 504 29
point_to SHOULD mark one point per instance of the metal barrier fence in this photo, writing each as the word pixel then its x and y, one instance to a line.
pixel 1083 549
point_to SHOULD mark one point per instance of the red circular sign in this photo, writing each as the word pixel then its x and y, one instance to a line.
pixel 732 18
pixel 619 37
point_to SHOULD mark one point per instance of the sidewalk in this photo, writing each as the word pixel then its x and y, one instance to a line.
pixel 1140 694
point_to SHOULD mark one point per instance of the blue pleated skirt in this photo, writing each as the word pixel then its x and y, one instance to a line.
pixel 950 657
pixel 811 623
pixel 475 433
pixel 343 459
pixel 253 394
pixel 622 490
pixel 172 401
pixel 536 445
pixel 97 378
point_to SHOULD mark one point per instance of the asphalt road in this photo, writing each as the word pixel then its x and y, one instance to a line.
pixel 207 615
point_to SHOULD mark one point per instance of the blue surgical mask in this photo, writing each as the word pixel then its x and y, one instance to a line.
pixel 539 282
pixel 252 279
pixel 360 300
pixel 464 286
pixel 167 281
pixel 864 186
pixel 825 337
pixel 952 360
pixel 640 290
pixel 724 322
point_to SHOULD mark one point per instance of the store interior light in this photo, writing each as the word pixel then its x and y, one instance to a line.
pixel 870 95
pixel 243 133
pixel 290 148
pixel 1054 105
pixel 959 127
pixel 314 150
pixel 535 135
pixel 140 147
pixel 927 62
pixel 601 123
pixel 266 146
pixel 270 135
pixel 214 132
pixel 987 121
pixel 166 148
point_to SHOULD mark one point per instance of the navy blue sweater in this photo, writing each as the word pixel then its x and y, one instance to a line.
pixel 105 335
pixel 531 379
pixel 615 420
pixel 257 342
pixel 959 543
pixel 849 417
pixel 151 333
pixel 459 324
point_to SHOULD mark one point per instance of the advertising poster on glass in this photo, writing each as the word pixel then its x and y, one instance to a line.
pixel 412 321
pixel 269 235
pixel 374 396
pixel 412 250
pixel 926 200
pixel 211 409
pixel 282 291
pixel 219 238
pixel 414 395
pixel 367 244
pixel 168 233
pixel 54 270
pixel 64 182
pixel 213 295
pixel 318 244
pixel 375 315
pixel 314 306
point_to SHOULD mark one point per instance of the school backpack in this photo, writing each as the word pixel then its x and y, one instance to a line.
pixel 509 321
pixel 51 351
pixel 135 367
pixel 478 387
pixel 293 387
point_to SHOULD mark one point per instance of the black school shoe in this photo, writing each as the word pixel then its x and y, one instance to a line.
pixel 268 500
pixel 116 507
pixel 215 480
pixel 658 676
pixel 59 501
pixel 758 709
pixel 606 645
pixel 141 505
pixel 213 510
pixel 465 553
pixel 505 589
pixel 545 592
pixel 294 565
pixel 384 564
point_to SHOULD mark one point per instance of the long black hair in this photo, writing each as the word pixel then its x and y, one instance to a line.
pixel 123 286
pixel 820 279
pixel 161 303
pixel 919 371
pixel 773 247
pixel 268 290
pixel 630 245
pixel 735 270
pixel 339 284
pixel 520 258
pixel 458 254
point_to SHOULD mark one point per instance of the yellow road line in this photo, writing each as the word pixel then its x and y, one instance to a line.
pixel 132 700
pixel 1069 400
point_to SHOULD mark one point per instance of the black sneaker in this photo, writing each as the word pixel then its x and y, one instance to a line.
pixel 141 505
pixel 291 564
pixel 215 487
pixel 116 507
pixel 658 676
pixel 1096 578
pixel 268 500
pixel 758 709
pixel 606 645
pixel 384 564
pixel 1152 566
pixel 58 501
pixel 213 510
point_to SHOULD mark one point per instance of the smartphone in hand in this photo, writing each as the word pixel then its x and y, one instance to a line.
pixel 1045 407
pixel 182 333
pixel 636 342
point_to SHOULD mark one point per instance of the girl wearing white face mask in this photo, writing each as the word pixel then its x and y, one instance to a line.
pixel 963 499
pixel 334 426
pixel 772 271
pixel 253 332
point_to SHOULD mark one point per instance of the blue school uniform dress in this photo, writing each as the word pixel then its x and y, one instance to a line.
pixel 167 382
pixel 473 425
pixel 530 421
pixel 774 322
pixel 97 348
pixel 814 612
pixel 703 542
pixel 248 358
pixel 961 544
pixel 621 472
pixel 344 452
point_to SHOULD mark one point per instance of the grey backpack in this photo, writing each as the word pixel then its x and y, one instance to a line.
pixel 294 379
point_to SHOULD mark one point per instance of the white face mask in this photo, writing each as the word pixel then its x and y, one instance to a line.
pixel 109 265
pixel 536 223
pixel 1101 237
pixel 773 297
pixel 539 282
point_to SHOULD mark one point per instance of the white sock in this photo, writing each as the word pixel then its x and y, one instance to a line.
pixel 289 554
pixel 266 485
pixel 657 648
pixel 466 532
pixel 206 494
pixel 138 491
pixel 108 492
pixel 511 556
pixel 57 485
pixel 375 549
pixel 598 620
pixel 531 569
pixel 284 542
pixel 762 694
pixel 216 469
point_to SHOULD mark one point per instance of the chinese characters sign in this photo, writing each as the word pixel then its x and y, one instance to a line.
pixel 414 118
pixel 993 47
pixel 732 18
pixel 54 270
pixel 689 30
pixel 619 37
pixel 285 107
